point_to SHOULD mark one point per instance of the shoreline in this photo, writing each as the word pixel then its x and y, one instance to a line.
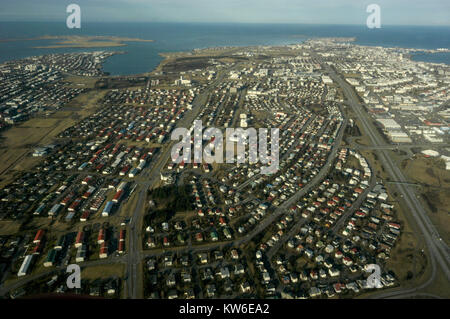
pixel 74 42
pixel 411 53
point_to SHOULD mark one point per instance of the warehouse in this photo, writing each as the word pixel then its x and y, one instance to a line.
pixel 107 210
pixel 79 240
pixel 389 124
pixel 39 236
pixel 399 137
pixel 51 258
pixel 61 243
pixel 25 266
pixel 103 250
pixel 101 236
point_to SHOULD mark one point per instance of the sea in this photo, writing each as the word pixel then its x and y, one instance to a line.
pixel 143 57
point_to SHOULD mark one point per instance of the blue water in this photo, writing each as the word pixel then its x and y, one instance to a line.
pixel 142 57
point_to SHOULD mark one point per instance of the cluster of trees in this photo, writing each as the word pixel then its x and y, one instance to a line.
pixel 159 216
pixel 353 130
pixel 178 197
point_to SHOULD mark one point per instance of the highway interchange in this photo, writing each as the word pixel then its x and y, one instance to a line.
pixel 438 250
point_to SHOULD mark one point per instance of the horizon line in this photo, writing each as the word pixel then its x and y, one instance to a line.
pixel 235 22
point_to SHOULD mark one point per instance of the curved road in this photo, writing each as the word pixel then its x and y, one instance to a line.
pixel 438 250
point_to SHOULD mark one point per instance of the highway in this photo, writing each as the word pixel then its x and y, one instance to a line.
pixel 134 278
pixel 356 144
pixel 438 251
pixel 398 147
pixel 134 254
pixel 134 275
pixel 150 176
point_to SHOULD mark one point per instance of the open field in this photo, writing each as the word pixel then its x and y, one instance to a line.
pixel 407 260
pixel 179 61
pixel 81 81
pixel 9 227
pixel 439 286
pixel 429 171
pixel 103 271
pixel 435 190
pixel 19 141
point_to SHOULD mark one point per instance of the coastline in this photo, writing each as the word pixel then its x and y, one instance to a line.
pixel 149 58
pixel 410 53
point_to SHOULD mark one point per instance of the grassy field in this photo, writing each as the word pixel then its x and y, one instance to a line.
pixel 9 227
pixel 407 260
pixel 18 142
pixel 81 81
pixel 104 271
pixel 440 286
pixel 364 139
pixel 435 190
pixel 21 139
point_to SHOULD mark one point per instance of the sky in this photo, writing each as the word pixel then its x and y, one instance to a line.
pixel 393 12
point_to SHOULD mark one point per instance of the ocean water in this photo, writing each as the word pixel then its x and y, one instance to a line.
pixel 169 37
